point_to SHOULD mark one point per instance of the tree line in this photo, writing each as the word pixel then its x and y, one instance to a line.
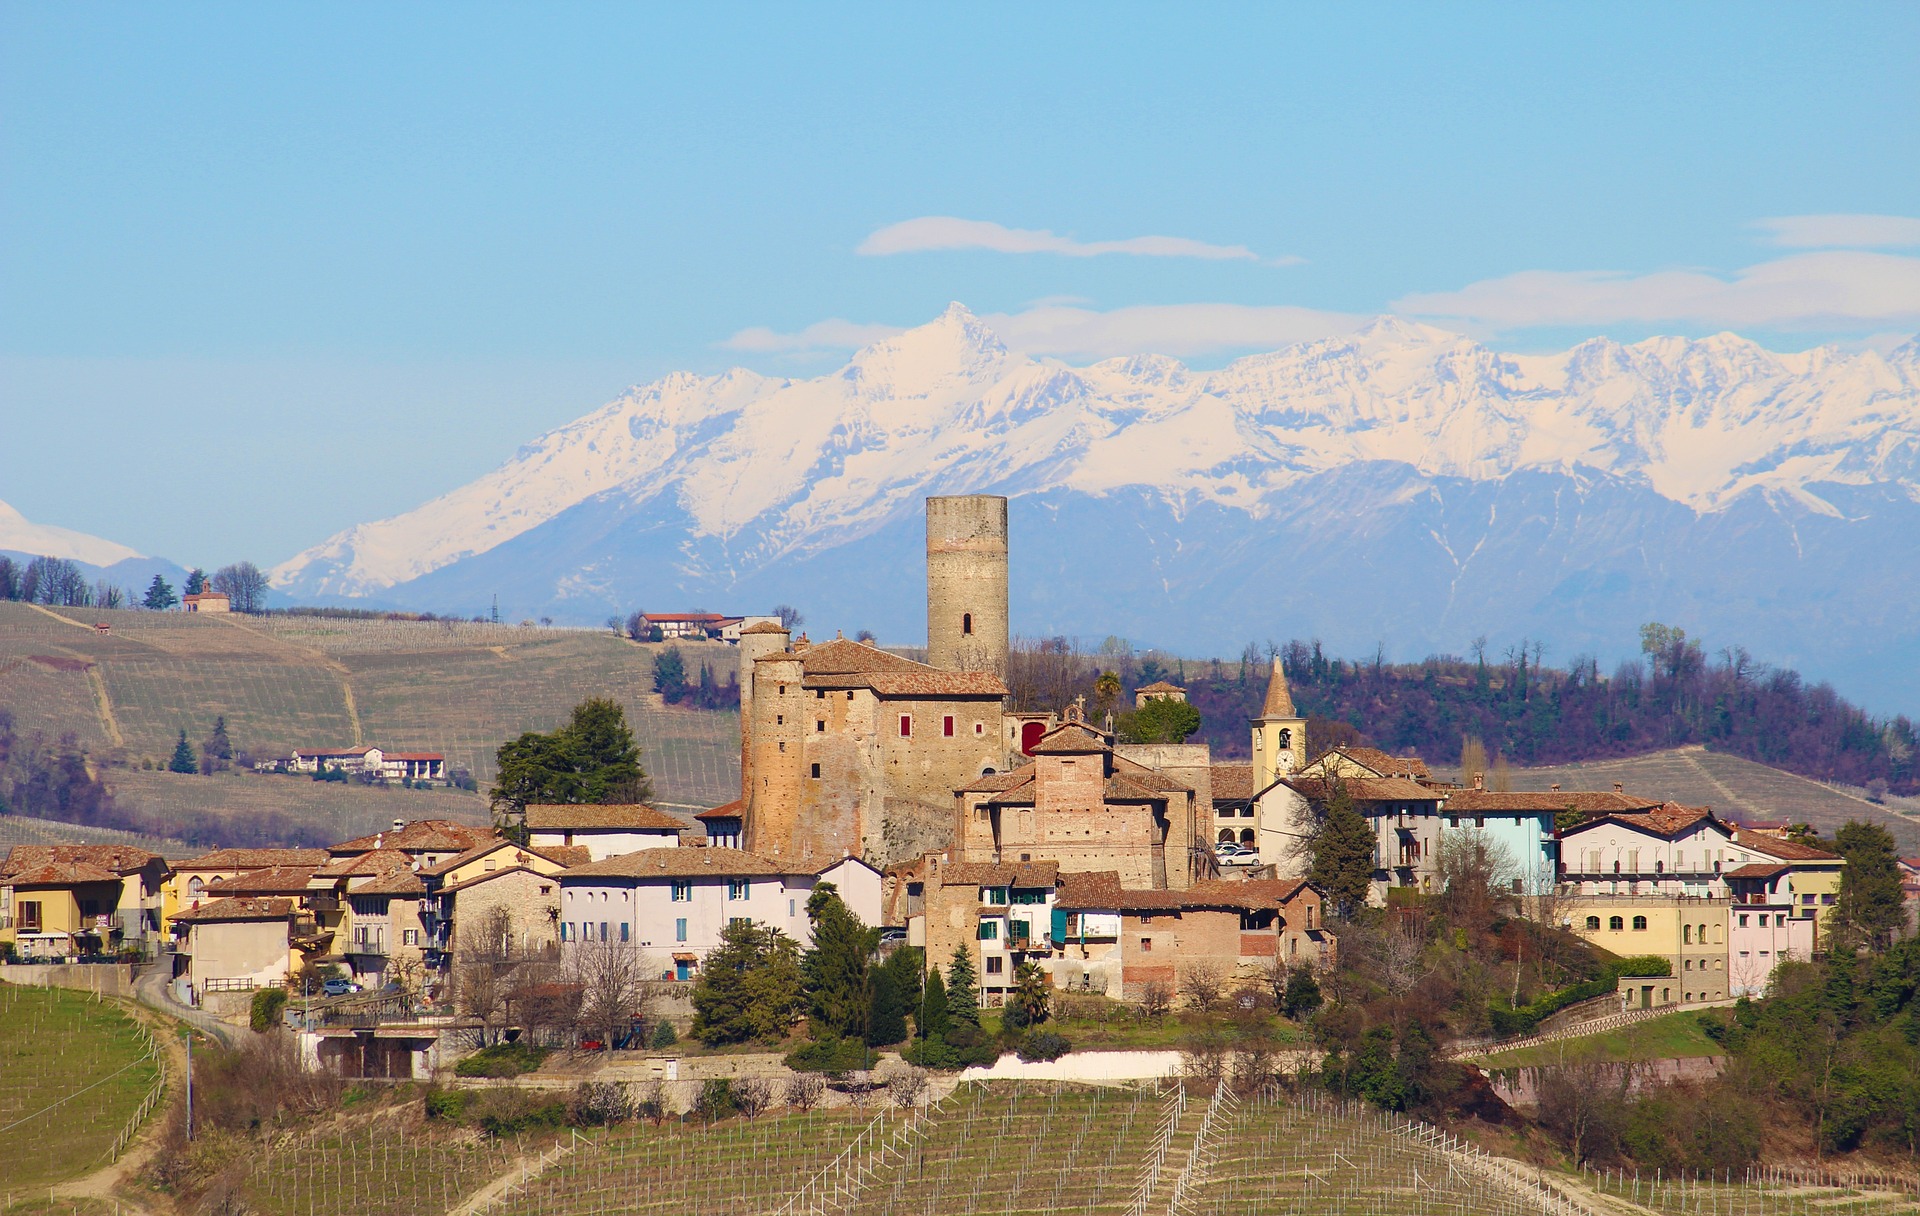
pixel 60 583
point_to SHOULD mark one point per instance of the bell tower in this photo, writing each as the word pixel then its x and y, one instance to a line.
pixel 1279 733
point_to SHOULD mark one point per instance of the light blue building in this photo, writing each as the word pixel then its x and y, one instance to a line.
pixel 1523 825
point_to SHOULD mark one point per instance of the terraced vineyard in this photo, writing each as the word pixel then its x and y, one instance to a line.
pixel 1759 1191
pixel 450 687
pixel 379 1168
pixel 21 829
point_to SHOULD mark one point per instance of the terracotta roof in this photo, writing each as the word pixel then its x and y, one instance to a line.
pixel 118 858
pixel 61 874
pixel 475 854
pixel 995 783
pixel 413 756
pixel 683 863
pixel 1070 739
pixel 263 908
pixel 732 810
pixel 1002 874
pixel 331 751
pixel 490 875
pixel 1667 819
pixel 1148 776
pixel 1129 787
pixel 1757 870
pixel 1252 895
pixel 1785 850
pixel 394 882
pixel 1089 889
pixel 420 836
pixel 254 859
pixel 552 817
pixel 1598 802
pixel 1159 686
pixel 1233 782
pixel 764 627
pixel 844 664
pixel 374 861
pixel 1366 789
pixel 272 880
pixel 1279 702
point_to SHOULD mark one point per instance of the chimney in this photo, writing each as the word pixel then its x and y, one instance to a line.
pixel 1479 781
pixel 1619 787
pixel 398 824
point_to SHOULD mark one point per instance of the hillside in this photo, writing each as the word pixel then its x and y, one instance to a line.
pixel 1400 483
pixel 281 682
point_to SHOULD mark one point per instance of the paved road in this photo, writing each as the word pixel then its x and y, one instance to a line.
pixel 151 990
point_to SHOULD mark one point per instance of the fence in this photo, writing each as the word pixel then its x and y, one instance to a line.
pixel 147 1103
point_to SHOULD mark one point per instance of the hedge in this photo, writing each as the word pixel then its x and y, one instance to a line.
pixel 1508 1020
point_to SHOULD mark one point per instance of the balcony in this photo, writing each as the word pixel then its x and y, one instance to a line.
pixel 377 948
pixel 323 901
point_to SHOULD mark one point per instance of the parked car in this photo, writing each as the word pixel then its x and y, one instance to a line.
pixel 338 987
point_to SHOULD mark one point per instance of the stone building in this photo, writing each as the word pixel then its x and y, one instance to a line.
pixel 1081 804
pixel 967 627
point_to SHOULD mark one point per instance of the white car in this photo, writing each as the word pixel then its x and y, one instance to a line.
pixel 1236 854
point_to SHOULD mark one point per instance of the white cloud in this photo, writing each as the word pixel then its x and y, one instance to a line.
pixel 931 233
pixel 831 334
pixel 1842 231
pixel 1181 330
pixel 1835 290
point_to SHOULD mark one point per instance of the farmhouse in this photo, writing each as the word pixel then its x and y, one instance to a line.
pixel 603 830
pixel 71 899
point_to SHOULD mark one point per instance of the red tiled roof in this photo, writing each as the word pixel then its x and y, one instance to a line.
pixel 687 863
pixel 413 755
pixel 1233 782
pixel 1757 870
pixel 1785 850
pixel 61 874
pixel 420 836
pixel 764 627
pixel 373 861
pixel 490 875
pixel 238 909
pixel 1600 802
pixel 1000 874
pixel 997 783
pixel 844 664
pixel 254 859
pixel 1089 889
pixel 1366 789
pixel 394 882
pixel 1252 895
pixel 1160 686
pixel 272 880
pixel 576 817
pixel 118 858
pixel 1667 819
pixel 331 751
pixel 1070 739
pixel 731 810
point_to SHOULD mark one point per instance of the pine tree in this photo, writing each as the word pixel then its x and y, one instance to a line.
pixel 1871 905
pixel 963 989
pixel 886 1011
pixel 1342 844
pixel 183 760
pixel 933 1008
pixel 196 581
pixel 838 968
pixel 159 596
pixel 218 746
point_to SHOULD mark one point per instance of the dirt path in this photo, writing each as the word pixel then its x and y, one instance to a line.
pixel 524 1169
pixel 109 1183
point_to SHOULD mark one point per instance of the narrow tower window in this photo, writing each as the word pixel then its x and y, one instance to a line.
pixel 966 624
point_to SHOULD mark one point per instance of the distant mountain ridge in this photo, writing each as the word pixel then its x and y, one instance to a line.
pixel 1400 485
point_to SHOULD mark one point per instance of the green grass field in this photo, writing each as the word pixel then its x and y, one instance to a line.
pixel 1676 1036
pixel 72 1073
pixel 455 688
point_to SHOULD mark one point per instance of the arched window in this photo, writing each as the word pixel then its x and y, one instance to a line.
pixel 1686 935
pixel 1593 923
pixel 196 886
pixel 966 624
pixel 1640 922
pixel 1246 835
pixel 1286 738
pixel 1703 935
pixel 1614 922
pixel 1716 935
pixel 1226 835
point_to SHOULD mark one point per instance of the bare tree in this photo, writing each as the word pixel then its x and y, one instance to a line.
pixel 906 1087
pixel 613 991
pixel 805 1090
pixel 752 1096
pixel 479 990
pixel 1203 984
pixel 245 586
pixel 654 1103
pixel 1476 875
pixel 790 618
pixel 1155 999
pixel 637 625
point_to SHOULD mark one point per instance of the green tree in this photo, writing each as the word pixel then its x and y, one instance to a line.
pixel 1871 903
pixel 183 761
pixel 196 581
pixel 1032 993
pixel 934 1022
pixel 670 675
pixel 1303 994
pixel 1163 720
pixel 839 967
pixel 592 759
pixel 963 989
pixel 887 1011
pixel 160 596
pixel 750 987
pixel 218 745
pixel 1341 844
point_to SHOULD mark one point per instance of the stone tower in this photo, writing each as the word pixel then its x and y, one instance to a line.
pixel 757 641
pixel 967 583
pixel 1279 733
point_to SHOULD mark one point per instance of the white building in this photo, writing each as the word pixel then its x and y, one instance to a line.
pixel 604 831
pixel 1668 850
pixel 346 759
pixel 674 903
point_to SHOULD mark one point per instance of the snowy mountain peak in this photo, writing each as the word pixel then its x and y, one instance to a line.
pixel 21 535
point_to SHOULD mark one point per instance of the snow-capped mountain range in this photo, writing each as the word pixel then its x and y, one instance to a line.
pixel 1400 485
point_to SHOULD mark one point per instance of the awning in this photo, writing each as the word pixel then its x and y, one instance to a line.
pixel 686 958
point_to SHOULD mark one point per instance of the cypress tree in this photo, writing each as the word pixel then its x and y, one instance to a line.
pixel 183 761
pixel 886 1012
pixel 1342 844
pixel 933 1008
pixel 963 989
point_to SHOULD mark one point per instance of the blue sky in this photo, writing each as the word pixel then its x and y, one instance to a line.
pixel 334 261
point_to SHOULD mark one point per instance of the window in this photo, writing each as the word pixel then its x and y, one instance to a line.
pixel 1743 924
pixel 1640 923
pixel 783 745
pixel 1479 821
pixel 1686 935
pixel 682 890
pixel 680 929
pixel 1633 861
pixel 1246 836
pixel 739 920
pixel 993 964
pixel 603 930
pixel 779 719
pixel 1146 945
pixel 819 694
pixel 966 624
pixel 1616 923
pixel 979 728
pixel 409 937
pixel 989 930
pixel 1806 899
pixel 1688 965
pixel 1593 924
pixel 1828 898
pixel 946 726
pixel 623 930
pixel 1226 835
pixel 739 888
pixel 813 770
pixel 30 915
pixel 993 895
pixel 1516 886
pixel 819 726
pixel 906 726
pixel 1146 918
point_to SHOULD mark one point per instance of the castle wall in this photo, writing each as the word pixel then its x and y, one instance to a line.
pixel 773 744
pixel 967 583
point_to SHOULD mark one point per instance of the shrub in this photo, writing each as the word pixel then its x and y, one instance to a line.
pixel 663 1035
pixel 508 1113
pixel 449 1105
pixel 501 1060
pixel 1044 1045
pixel 830 1055
pixel 267 1004
pixel 716 1101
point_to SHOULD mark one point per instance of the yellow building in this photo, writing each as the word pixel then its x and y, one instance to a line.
pixel 80 899
pixel 187 887
pixel 1689 932
pixel 1812 881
